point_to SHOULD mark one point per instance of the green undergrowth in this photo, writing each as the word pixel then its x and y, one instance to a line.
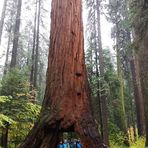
pixel 138 144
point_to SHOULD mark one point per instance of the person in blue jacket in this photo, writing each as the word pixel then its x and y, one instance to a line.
pixel 60 145
pixel 65 144
pixel 72 144
pixel 79 145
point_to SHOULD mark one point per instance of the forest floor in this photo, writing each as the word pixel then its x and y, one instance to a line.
pixel 138 144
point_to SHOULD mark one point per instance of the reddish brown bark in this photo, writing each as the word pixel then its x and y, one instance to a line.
pixel 66 106
pixel 138 95
pixel 143 62
pixel 141 40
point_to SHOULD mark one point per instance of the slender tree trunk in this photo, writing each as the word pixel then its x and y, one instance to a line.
pixel 16 35
pixel 97 115
pixel 121 95
pixel 66 106
pixel 41 81
pixel 2 18
pixel 103 96
pixel 37 46
pixel 33 50
pixel 97 76
pixel 9 31
pixel 7 53
pixel 4 138
pixel 123 119
pixel 121 89
pixel 98 85
pixel 131 116
pixel 28 52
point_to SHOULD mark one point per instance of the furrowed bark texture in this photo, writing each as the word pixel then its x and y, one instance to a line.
pixel 138 95
pixel 141 40
pixel 66 106
pixel 143 62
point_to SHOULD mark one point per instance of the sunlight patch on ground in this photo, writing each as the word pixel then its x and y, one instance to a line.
pixel 139 143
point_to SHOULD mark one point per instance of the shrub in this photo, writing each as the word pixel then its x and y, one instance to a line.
pixel 116 136
pixel 14 83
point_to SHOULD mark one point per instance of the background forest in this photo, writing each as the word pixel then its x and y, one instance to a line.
pixel 117 70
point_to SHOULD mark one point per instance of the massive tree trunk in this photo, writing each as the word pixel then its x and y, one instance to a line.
pixel 66 106
pixel 16 35
pixel 138 95
pixel 141 40
pixel 136 85
pixel 2 18
pixel 143 61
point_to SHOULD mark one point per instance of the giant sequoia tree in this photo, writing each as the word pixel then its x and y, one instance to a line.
pixel 140 24
pixel 66 106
